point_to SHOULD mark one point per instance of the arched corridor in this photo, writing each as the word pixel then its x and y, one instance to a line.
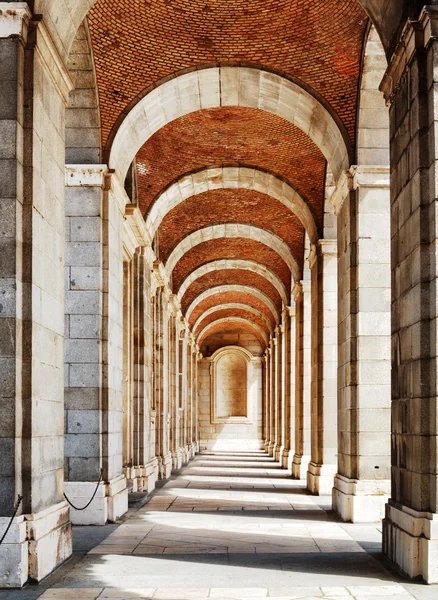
pixel 231 525
pixel 218 297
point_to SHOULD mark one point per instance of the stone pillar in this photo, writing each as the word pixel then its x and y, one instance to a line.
pixel 303 372
pixel 279 400
pixel 286 387
pixel 362 482
pixel 94 345
pixel 267 395
pixel 324 343
pixel 161 381
pixel 35 88
pixel 410 528
pixel 144 470
pixel 271 441
pixel 291 364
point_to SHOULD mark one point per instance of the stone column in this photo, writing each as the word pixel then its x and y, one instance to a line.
pixel 145 468
pixel 267 399
pixel 324 342
pixel 271 442
pixel 291 363
pixel 302 386
pixel 35 86
pixel 410 528
pixel 278 393
pixel 362 482
pixel 286 387
pixel 161 381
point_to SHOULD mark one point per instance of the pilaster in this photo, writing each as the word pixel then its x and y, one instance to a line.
pixel 410 535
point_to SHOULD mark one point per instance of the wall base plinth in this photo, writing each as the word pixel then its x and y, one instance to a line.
pixel 164 466
pixel 360 501
pixel 14 560
pixel 286 458
pixel 177 459
pixel 410 539
pixel 320 479
pixel 50 540
pixel 109 503
pixel 299 466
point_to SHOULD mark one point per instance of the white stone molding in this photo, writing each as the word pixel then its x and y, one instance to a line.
pixel 230 178
pixel 297 290
pixel 85 175
pixel 201 335
pixel 416 34
pixel 134 217
pixel 228 86
pixel 234 263
pixel 372 176
pixel 221 289
pixel 232 306
pixel 234 230
pixel 14 19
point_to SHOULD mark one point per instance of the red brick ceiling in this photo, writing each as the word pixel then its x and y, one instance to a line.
pixel 138 42
pixel 226 298
pixel 231 327
pixel 231 136
pixel 239 248
pixel 230 206
pixel 230 276
pixel 236 312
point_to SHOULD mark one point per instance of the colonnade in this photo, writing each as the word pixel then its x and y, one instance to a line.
pixel 100 373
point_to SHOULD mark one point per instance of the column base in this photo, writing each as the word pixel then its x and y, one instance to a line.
pixel 193 449
pixel 109 504
pixel 278 452
pixel 410 539
pixel 285 458
pixel 320 479
pixel 270 448
pixel 14 555
pixel 299 466
pixel 360 501
pixel 164 466
pixel 50 540
pixel 142 478
pixel 177 459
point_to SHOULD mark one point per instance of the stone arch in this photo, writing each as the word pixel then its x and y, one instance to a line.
pixel 231 178
pixel 82 118
pixel 231 306
pixel 233 288
pixel 261 335
pixel 373 114
pixel 228 86
pixel 234 230
pixel 219 265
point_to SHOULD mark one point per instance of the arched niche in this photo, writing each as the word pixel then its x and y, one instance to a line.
pixel 231 385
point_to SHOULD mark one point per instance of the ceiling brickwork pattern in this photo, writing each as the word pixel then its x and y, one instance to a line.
pixel 235 248
pixel 138 43
pixel 226 277
pixel 231 136
pixel 230 297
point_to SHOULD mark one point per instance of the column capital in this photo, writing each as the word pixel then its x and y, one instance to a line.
pixel 328 247
pixel 14 19
pixel 85 175
pixel 371 176
pixel 297 290
pixel 416 34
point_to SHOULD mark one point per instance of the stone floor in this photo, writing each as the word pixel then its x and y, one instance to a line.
pixel 230 526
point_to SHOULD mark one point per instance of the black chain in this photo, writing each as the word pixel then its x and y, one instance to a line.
pixel 92 497
pixel 17 504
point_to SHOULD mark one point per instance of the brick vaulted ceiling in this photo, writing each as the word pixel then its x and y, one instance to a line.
pixel 139 44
